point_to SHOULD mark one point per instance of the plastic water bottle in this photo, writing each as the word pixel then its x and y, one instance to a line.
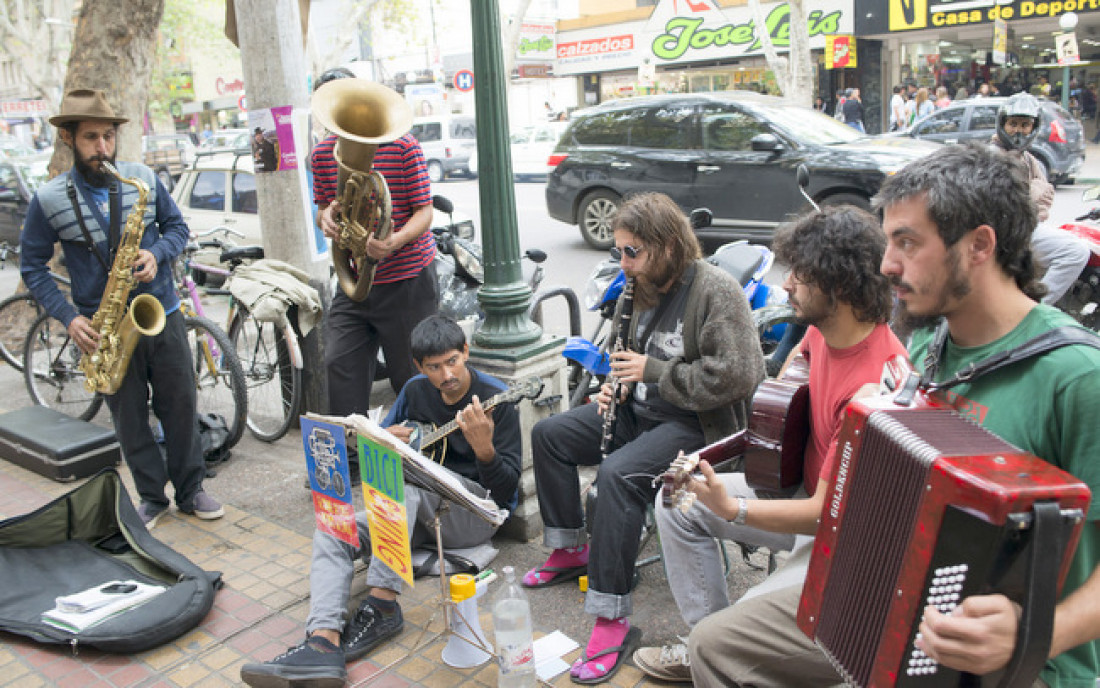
pixel 512 626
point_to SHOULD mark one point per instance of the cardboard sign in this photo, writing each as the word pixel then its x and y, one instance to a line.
pixel 329 479
pixel 384 496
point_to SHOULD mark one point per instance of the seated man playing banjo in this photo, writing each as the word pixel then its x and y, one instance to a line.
pixel 485 455
pixel 835 287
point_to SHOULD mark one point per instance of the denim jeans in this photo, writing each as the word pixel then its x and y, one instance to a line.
pixel 333 563
pixel 693 560
pixel 641 450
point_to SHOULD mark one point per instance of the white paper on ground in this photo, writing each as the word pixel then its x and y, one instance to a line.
pixel 549 651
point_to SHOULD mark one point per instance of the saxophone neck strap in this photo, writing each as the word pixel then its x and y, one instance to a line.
pixel 71 189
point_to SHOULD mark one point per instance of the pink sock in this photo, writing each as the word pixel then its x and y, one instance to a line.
pixel 564 558
pixel 607 633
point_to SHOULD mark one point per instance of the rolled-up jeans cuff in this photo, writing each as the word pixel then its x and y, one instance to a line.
pixel 560 538
pixel 607 605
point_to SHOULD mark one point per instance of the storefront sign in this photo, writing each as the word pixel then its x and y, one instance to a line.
pixel 1066 49
pixel 536 41
pixel 11 109
pixel 914 15
pixel 1000 41
pixel 840 52
pixel 679 32
pixel 533 71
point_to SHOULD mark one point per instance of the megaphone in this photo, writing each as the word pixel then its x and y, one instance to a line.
pixel 464 648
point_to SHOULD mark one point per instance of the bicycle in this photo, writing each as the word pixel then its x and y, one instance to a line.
pixel 269 354
pixel 16 311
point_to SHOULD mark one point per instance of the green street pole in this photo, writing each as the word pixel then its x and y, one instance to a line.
pixel 504 296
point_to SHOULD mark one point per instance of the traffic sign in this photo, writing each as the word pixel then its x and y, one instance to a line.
pixel 464 80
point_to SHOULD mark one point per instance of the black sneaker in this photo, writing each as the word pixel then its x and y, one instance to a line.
pixel 316 663
pixel 369 628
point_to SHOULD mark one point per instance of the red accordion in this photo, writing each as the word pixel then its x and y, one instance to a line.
pixel 928 508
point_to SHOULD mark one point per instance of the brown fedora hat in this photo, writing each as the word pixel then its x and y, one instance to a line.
pixel 85 104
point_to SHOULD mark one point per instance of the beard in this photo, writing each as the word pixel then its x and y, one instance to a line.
pixel 956 287
pixel 647 286
pixel 815 312
pixel 99 178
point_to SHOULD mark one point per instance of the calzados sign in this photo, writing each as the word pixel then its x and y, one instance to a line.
pixel 683 34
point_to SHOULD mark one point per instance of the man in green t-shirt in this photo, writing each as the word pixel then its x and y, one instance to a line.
pixel 958 225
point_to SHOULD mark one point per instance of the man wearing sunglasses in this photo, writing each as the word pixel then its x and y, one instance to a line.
pixel 691 364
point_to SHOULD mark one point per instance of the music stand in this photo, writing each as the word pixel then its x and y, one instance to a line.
pixel 427 475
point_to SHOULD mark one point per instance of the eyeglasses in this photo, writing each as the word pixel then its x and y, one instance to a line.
pixel 630 252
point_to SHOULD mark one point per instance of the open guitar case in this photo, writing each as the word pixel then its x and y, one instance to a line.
pixel 81 540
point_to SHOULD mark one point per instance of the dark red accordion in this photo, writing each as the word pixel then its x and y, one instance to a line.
pixel 927 508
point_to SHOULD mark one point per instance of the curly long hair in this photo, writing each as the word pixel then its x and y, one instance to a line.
pixel 661 225
pixel 839 250
pixel 968 185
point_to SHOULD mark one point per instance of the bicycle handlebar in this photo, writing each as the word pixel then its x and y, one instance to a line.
pixel 223 229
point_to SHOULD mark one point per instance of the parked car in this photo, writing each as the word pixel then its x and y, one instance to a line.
pixel 168 155
pixel 531 148
pixel 733 152
pixel 19 179
pixel 448 141
pixel 1060 144
pixel 226 139
pixel 220 190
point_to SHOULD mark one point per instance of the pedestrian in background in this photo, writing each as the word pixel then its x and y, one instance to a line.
pixel 853 110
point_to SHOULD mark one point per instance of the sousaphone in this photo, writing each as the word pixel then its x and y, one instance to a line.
pixel 363 115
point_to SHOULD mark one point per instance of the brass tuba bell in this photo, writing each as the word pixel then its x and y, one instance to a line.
pixel 363 115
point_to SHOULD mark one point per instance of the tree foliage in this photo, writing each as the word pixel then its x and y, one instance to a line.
pixel 189 27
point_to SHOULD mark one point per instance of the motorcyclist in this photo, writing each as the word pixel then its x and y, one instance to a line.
pixel 1063 255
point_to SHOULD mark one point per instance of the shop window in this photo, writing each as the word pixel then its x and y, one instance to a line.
pixel 730 130
pixel 244 193
pixel 984 117
pixel 943 122
pixel 208 193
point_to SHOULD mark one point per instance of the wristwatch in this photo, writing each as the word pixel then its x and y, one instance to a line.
pixel 742 512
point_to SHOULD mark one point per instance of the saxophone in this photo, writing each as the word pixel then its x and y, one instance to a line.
pixel 120 327
pixel 610 416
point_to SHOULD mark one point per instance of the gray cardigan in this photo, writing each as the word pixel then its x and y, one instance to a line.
pixel 722 363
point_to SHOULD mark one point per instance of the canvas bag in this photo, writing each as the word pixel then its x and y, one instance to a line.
pixel 85 538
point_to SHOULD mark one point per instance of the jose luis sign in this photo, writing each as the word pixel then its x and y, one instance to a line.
pixel 693 30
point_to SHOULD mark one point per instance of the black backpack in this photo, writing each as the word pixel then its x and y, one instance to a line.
pixel 83 539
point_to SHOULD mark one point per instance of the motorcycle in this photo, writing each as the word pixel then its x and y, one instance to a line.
pixel 589 361
pixel 1080 302
pixel 459 268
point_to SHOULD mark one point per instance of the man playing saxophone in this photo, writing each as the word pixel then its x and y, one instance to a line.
pixel 87 209
pixel 689 361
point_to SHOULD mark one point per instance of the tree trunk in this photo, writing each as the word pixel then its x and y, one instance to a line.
pixel 511 39
pixel 114 44
pixel 802 73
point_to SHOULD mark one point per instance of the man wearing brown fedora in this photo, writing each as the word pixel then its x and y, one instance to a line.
pixel 86 209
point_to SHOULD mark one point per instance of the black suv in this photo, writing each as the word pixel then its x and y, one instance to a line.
pixel 734 152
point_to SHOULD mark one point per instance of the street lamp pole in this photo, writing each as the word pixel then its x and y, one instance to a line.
pixel 504 296
pixel 1068 22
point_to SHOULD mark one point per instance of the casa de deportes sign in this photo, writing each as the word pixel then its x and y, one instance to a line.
pixel 916 15
pixel 683 31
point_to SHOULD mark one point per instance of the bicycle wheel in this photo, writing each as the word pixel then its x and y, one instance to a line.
pixel 51 369
pixel 274 384
pixel 218 378
pixel 16 312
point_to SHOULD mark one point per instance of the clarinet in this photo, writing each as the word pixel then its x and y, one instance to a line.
pixel 626 313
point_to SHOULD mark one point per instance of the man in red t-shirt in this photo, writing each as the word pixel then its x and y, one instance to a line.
pixel 835 287
pixel 404 290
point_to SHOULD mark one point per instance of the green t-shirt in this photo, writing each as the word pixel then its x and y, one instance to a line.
pixel 1047 406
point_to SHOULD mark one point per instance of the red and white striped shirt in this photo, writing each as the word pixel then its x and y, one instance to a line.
pixel 401 162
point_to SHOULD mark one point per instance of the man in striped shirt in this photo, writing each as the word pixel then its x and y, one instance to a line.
pixel 404 290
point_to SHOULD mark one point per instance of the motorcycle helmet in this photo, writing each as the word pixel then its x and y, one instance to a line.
pixel 1019 105
pixel 332 75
